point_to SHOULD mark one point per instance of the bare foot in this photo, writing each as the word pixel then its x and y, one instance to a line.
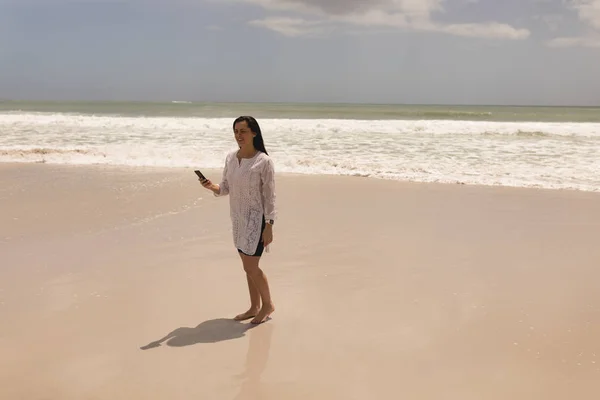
pixel 264 313
pixel 251 313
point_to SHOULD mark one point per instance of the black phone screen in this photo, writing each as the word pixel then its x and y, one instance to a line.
pixel 200 174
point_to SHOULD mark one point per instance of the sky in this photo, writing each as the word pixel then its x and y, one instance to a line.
pixel 505 52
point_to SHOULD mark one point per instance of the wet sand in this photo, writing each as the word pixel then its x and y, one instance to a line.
pixel 121 283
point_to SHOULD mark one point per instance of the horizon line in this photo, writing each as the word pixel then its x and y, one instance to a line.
pixel 329 103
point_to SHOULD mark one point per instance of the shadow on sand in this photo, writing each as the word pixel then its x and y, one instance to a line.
pixel 211 331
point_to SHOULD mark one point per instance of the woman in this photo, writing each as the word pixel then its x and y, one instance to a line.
pixel 249 180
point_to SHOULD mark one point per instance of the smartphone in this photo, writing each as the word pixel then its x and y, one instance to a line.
pixel 200 175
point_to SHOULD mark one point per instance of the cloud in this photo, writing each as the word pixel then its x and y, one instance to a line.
pixel 315 17
pixel 588 12
pixel 582 41
pixel 492 30
pixel 295 18
pixel 292 27
pixel 345 7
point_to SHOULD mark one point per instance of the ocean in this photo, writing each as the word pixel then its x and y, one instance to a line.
pixel 543 147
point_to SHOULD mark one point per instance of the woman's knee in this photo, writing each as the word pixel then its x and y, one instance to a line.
pixel 252 270
pixel 251 265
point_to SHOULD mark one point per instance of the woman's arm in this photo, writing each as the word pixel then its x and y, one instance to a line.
pixel 222 189
pixel 268 190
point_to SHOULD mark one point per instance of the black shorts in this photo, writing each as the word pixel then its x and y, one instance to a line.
pixel 260 248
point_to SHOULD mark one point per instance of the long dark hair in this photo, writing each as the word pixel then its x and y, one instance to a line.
pixel 258 141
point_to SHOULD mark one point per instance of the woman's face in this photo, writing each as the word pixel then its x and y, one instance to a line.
pixel 243 135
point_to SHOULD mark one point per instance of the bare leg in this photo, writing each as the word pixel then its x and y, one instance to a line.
pixel 254 300
pixel 261 283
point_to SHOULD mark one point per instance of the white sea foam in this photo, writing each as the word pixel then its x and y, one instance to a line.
pixel 550 155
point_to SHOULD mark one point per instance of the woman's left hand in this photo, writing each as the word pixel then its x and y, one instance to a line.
pixel 267 235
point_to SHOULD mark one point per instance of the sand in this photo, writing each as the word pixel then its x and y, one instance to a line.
pixel 120 283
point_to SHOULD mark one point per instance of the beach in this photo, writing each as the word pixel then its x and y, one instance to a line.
pixel 120 283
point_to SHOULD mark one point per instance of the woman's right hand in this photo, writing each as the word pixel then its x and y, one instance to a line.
pixel 209 185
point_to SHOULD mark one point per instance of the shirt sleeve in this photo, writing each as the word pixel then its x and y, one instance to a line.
pixel 268 190
pixel 224 185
